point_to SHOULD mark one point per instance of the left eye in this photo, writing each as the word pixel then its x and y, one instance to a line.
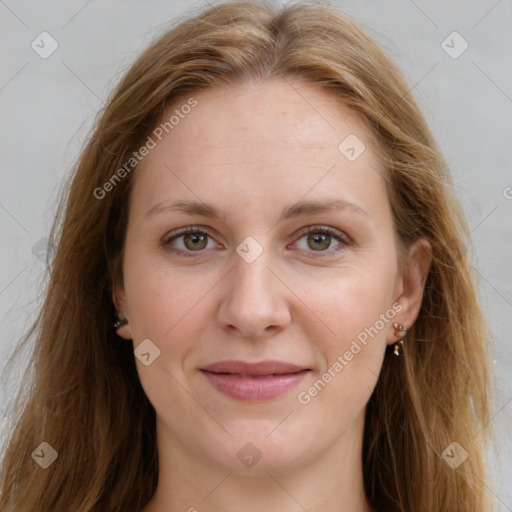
pixel 320 240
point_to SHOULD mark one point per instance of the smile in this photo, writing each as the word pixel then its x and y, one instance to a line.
pixel 254 388
pixel 254 382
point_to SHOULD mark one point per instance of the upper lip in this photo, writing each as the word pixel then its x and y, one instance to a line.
pixel 261 368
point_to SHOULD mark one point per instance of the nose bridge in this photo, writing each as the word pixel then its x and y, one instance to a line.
pixel 251 275
pixel 252 282
pixel 253 302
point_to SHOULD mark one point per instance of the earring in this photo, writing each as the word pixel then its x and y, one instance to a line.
pixel 399 329
pixel 121 320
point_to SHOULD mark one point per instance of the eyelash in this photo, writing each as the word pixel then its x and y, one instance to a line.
pixel 324 230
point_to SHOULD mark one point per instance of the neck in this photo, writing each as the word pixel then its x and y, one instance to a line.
pixel 331 482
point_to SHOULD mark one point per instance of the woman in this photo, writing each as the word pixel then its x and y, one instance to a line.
pixel 260 297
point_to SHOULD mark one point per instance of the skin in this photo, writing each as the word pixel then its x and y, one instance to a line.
pixel 251 151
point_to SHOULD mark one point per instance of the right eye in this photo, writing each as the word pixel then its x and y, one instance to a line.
pixel 188 240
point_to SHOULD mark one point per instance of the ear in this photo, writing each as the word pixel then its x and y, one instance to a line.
pixel 411 286
pixel 119 299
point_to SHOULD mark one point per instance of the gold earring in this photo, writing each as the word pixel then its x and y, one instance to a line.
pixel 399 329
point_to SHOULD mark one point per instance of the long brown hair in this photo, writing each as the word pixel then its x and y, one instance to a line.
pixel 84 396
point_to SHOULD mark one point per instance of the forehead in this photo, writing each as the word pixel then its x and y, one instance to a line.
pixel 264 143
pixel 278 112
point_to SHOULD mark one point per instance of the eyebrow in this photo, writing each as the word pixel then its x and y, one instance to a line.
pixel 298 209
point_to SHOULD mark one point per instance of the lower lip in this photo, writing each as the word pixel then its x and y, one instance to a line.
pixel 254 389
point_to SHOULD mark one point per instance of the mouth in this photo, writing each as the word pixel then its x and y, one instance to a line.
pixel 254 382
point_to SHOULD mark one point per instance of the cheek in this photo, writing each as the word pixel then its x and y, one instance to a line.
pixel 164 299
pixel 352 302
pixel 356 313
pixel 167 306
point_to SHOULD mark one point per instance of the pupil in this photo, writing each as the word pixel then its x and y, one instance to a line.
pixel 323 240
pixel 195 238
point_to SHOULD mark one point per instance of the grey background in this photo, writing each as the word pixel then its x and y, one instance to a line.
pixel 48 106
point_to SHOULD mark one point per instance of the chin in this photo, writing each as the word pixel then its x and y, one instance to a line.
pixel 259 453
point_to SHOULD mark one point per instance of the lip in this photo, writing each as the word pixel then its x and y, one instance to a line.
pixel 254 382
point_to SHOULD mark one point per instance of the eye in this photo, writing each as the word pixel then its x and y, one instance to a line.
pixel 188 240
pixel 321 239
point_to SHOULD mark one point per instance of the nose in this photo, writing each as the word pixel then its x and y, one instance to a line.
pixel 255 302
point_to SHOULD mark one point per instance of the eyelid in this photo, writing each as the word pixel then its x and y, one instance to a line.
pixel 319 228
pixel 187 229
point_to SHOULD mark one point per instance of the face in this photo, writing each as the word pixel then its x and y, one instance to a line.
pixel 289 256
